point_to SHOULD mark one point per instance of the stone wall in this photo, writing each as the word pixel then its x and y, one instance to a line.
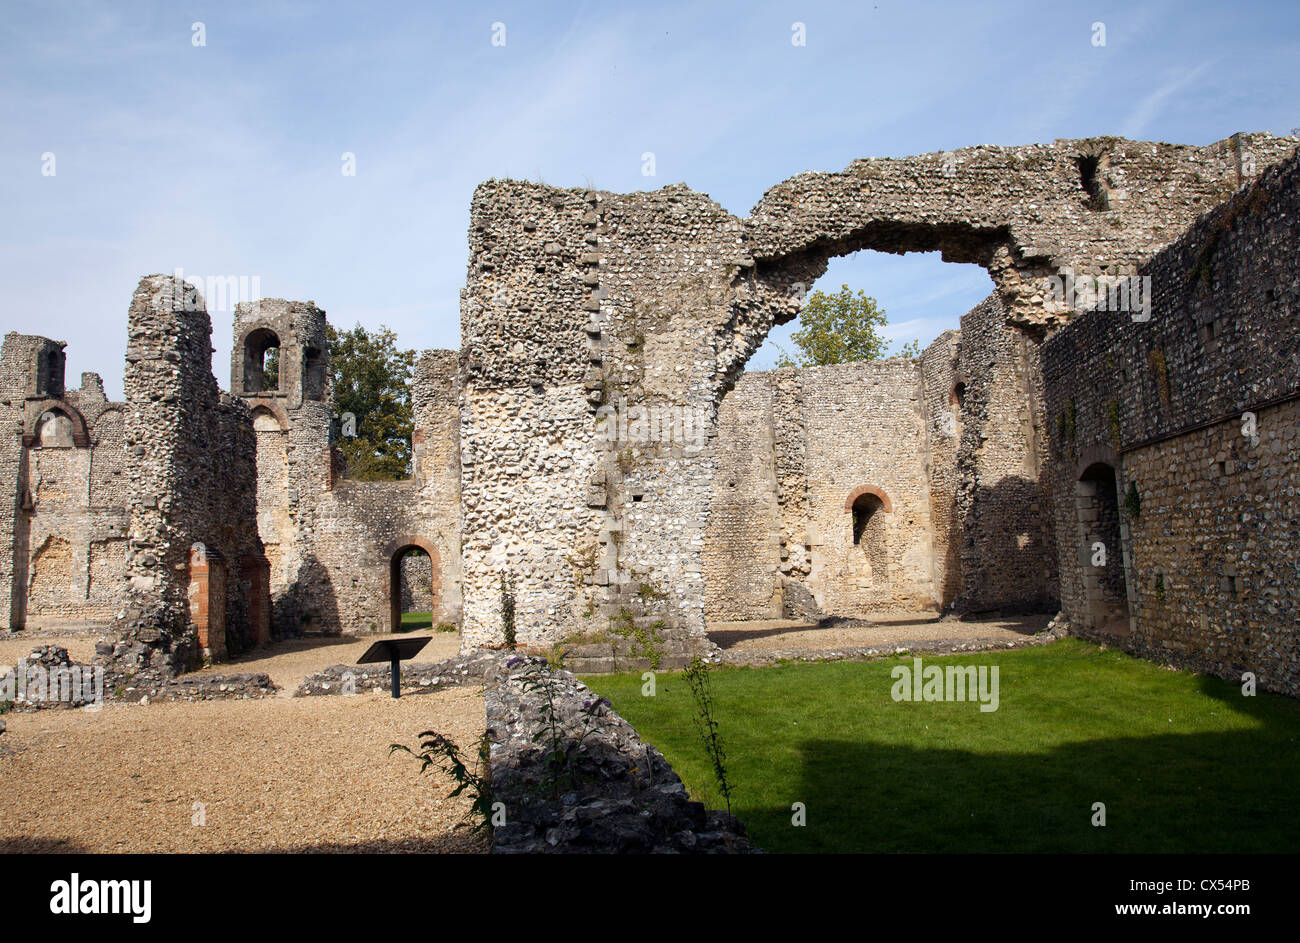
pixel 784 492
pixel 1209 561
pixel 416 582
pixel 579 303
pixel 1007 553
pixel 193 552
pixel 64 471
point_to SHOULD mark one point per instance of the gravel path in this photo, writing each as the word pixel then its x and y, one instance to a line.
pixel 289 662
pixel 298 774
pixel 903 629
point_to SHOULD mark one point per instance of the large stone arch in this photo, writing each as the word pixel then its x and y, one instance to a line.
pixel 582 307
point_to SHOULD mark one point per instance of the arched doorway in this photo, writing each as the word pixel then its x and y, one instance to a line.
pixel 414 580
pixel 1102 550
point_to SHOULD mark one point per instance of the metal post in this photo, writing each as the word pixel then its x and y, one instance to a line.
pixel 397 677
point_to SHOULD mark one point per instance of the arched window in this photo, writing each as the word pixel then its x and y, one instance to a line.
pixel 261 361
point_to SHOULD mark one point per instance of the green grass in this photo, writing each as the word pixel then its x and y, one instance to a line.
pixel 416 620
pixel 1183 763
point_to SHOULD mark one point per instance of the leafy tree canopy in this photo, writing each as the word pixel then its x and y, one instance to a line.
pixel 372 381
pixel 840 328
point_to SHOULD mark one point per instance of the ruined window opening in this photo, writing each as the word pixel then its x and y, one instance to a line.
pixel 1091 183
pixel 49 374
pixel 261 361
pixel 314 373
pixel 958 397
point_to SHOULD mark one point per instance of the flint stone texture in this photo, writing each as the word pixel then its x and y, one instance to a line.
pixel 583 305
pixel 624 797
pixel 1153 420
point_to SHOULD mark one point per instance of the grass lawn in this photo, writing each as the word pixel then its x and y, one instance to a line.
pixel 416 620
pixel 1183 763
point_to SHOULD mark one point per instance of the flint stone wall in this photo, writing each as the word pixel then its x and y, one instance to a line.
pixel 622 797
pixel 63 468
pixel 964 526
pixel 193 494
pixel 583 300
pixel 332 540
pixel 1210 554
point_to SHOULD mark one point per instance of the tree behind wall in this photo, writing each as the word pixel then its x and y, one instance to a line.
pixel 372 381
pixel 840 328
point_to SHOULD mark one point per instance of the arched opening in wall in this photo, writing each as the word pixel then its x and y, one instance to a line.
pixel 871 531
pixel 1101 551
pixel 413 583
pixel 261 361
pixel 872 411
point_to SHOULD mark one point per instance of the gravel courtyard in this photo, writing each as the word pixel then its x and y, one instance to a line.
pixel 280 774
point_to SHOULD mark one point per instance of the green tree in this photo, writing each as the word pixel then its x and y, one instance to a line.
pixel 840 328
pixel 372 381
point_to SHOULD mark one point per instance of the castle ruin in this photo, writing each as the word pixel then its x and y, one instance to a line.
pixel 595 440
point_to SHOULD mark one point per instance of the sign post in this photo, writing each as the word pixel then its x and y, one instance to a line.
pixel 394 651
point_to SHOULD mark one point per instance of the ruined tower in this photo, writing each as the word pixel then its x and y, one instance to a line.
pixel 279 366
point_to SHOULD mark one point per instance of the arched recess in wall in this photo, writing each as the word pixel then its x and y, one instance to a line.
pixel 1100 533
pixel 395 553
pixel 867 506
pixel 54 423
pixel 262 361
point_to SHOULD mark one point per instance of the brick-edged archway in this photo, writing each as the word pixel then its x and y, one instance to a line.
pixel 886 505
pixel 393 553
pixel 32 422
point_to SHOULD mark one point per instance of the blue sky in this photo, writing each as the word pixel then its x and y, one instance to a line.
pixel 226 159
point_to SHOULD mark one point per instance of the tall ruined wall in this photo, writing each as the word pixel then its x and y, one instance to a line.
pixel 865 428
pixel 1210 556
pixel 743 544
pixel 64 471
pixel 579 303
pixel 1007 552
pixel 291 419
pixel 192 498
pixel 941 384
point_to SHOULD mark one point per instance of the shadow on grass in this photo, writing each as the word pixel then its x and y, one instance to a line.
pixel 1186 794
pixel 1182 763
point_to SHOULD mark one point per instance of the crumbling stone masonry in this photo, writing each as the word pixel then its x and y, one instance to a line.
pixel 64 466
pixel 580 304
pixel 195 567
pixel 336 545
pixel 1175 449
pixel 879 485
